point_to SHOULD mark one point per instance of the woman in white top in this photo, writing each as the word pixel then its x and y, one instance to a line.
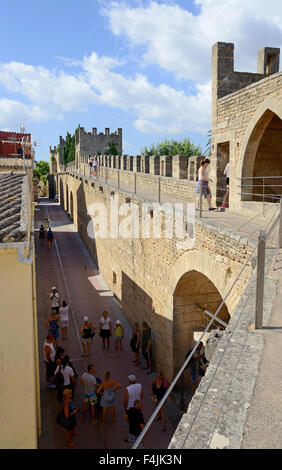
pixel 68 374
pixel 64 319
pixel 105 329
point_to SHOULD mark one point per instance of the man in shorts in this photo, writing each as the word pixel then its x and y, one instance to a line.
pixel 146 346
pixel 54 300
pixel 88 381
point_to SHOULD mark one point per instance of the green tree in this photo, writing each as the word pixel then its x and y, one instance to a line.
pixel 41 170
pixel 68 154
pixel 112 149
pixel 173 147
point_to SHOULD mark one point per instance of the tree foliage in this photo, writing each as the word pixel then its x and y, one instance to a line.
pixel 173 147
pixel 41 170
pixel 69 149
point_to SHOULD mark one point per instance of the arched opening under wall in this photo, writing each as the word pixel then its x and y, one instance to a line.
pixel 67 199
pixel 262 165
pixel 71 206
pixel 189 320
pixel 61 193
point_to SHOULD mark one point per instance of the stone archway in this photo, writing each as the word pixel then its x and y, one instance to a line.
pixel 207 269
pixel 71 206
pixel 189 321
pixel 261 154
pixel 67 199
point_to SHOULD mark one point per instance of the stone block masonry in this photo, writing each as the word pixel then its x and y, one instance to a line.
pixel 143 272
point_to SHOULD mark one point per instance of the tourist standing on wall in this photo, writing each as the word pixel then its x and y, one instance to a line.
pixel 135 343
pixel 89 383
pixel 49 356
pixel 54 299
pixel 90 162
pixel 197 364
pixel 203 181
pixel 95 167
pixel 226 174
pixel 108 387
pixel 146 346
pixel 159 387
pixel 105 329
pixel 64 319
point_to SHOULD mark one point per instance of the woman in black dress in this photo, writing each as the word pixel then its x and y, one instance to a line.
pixel 135 343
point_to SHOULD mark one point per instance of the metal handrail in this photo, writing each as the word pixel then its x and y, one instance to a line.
pixel 181 370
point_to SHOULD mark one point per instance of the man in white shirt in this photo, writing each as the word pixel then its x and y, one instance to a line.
pixel 88 381
pixel 132 392
pixel 54 300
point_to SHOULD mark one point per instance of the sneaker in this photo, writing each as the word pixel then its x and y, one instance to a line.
pixel 212 208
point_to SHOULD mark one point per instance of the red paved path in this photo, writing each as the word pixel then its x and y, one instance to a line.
pixel 69 266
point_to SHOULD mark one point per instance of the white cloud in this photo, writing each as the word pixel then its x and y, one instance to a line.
pixel 12 112
pixel 180 42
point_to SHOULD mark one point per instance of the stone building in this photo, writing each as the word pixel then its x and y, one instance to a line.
pixel 247 129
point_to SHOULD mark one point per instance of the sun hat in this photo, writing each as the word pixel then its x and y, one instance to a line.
pixel 132 378
pixel 118 322
pixel 54 288
pixel 85 318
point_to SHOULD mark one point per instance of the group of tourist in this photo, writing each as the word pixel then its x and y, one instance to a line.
pixel 92 162
pixel 49 235
pixel 98 394
pixel 203 183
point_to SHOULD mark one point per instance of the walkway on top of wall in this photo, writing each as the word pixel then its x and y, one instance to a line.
pixel 243 226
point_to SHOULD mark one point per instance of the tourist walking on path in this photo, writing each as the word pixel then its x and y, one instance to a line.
pixel 159 387
pixel 146 346
pixel 49 356
pixel 87 333
pixel 90 163
pixel 136 423
pixel 226 174
pixel 68 374
pixel 50 238
pixel 67 417
pixel 132 392
pixel 53 325
pixel 105 329
pixel 118 334
pixel 203 181
pixel 54 299
pixel 64 319
pixel 135 343
pixel 42 234
pixel 108 387
pixel 89 383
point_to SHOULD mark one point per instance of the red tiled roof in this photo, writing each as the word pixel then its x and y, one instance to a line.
pixel 11 144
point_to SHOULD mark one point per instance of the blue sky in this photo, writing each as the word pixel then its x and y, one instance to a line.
pixel 144 66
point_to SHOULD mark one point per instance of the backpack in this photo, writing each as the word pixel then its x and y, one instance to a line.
pixel 59 378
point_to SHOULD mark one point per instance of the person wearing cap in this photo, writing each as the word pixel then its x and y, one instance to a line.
pixel 49 357
pixel 132 392
pixel 105 328
pixel 119 334
pixel 54 299
pixel 87 332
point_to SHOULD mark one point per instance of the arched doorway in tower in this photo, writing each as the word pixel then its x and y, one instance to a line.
pixel 262 166
pixel 71 206
pixel 193 292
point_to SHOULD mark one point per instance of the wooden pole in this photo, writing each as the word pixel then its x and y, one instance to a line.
pixel 260 279
pixel 135 183
pixel 159 189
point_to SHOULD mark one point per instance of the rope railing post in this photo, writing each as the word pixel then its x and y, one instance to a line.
pixel 159 189
pixel 201 201
pixel 260 279
pixel 184 365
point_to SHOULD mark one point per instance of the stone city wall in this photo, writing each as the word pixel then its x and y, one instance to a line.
pixel 131 266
